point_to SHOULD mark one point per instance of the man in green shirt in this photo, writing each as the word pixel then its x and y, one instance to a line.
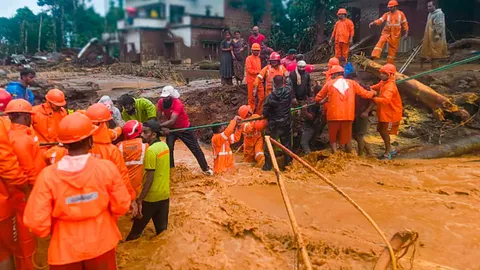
pixel 153 202
pixel 140 109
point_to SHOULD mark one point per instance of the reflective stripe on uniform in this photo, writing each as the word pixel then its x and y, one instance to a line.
pixel 140 161
pixel 259 153
pixel 394 24
pixel 378 48
pixel 232 138
pixel 224 136
pixel 222 153
pixel 53 157
pixel 120 147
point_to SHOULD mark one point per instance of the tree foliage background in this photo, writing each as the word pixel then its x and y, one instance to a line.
pixel 64 23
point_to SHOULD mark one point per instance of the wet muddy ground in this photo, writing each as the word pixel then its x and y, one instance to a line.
pixel 238 221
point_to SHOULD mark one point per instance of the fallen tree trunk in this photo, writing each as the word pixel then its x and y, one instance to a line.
pixel 418 91
pixel 453 149
pixel 463 43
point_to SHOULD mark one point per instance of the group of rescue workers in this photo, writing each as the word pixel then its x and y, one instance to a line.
pixel 72 174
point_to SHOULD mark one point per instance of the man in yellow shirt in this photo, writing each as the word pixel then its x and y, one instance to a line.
pixel 140 109
pixel 153 202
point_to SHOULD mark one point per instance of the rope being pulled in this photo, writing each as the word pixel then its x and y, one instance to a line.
pixel 344 195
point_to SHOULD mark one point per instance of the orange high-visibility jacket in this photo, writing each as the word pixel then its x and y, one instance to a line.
pixel 79 208
pixel 115 133
pixel 104 149
pixel 54 154
pixel 341 107
pixel 251 137
pixel 389 102
pixel 26 147
pixel 343 31
pixel 133 152
pixel 11 175
pixel 394 22
pixel 267 74
pixel 253 66
pixel 222 153
pixel 45 122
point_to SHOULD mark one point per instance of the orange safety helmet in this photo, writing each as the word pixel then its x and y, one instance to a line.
pixel 333 62
pixel 342 11
pixel 337 69
pixel 19 106
pixel 74 128
pixel 256 47
pixel 275 57
pixel 132 129
pixel 243 111
pixel 56 97
pixel 389 69
pixel 392 3
pixel 5 98
pixel 99 113
pixel 260 125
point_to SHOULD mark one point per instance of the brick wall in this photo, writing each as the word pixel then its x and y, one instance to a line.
pixel 239 19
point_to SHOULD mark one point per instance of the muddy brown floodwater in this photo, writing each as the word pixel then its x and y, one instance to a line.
pixel 238 221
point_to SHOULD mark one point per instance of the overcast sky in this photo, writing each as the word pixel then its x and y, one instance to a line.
pixel 9 7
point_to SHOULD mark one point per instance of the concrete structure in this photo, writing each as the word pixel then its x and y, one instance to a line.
pixel 180 29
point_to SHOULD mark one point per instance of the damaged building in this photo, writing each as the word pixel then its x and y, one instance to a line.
pixel 176 30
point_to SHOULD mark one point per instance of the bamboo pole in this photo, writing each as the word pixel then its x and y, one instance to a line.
pixel 337 189
pixel 288 206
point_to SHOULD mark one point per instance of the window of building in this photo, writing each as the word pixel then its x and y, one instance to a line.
pixel 176 13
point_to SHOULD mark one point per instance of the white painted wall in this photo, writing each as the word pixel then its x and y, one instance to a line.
pixel 132 36
pixel 185 33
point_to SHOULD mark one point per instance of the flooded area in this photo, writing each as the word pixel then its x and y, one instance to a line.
pixel 239 221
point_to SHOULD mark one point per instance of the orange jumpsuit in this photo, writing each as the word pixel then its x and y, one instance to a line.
pixel 222 153
pixel 389 103
pixel 341 106
pixel 253 66
pixel 104 149
pixel 267 74
pixel 12 179
pixel 115 133
pixel 133 152
pixel 78 201
pixel 30 158
pixel 45 122
pixel 391 34
pixel 54 154
pixel 343 33
pixel 252 142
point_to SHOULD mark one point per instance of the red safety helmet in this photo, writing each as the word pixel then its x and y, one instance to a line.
pixel 337 69
pixel 342 11
pixel 392 3
pixel 99 113
pixel 260 125
pixel 56 97
pixel 243 111
pixel 132 129
pixel 291 67
pixel 389 69
pixel 74 128
pixel 333 62
pixel 19 106
pixel 274 57
pixel 310 68
pixel 5 98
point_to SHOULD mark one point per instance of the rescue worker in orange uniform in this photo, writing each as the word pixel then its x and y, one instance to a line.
pixel 389 107
pixel 12 180
pixel 104 149
pixel 133 150
pixel 266 75
pixel 30 158
pixel 5 98
pixel 253 66
pixel 332 62
pixel 341 107
pixel 48 115
pixel 221 140
pixel 78 201
pixel 394 21
pixel 252 138
pixel 342 35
